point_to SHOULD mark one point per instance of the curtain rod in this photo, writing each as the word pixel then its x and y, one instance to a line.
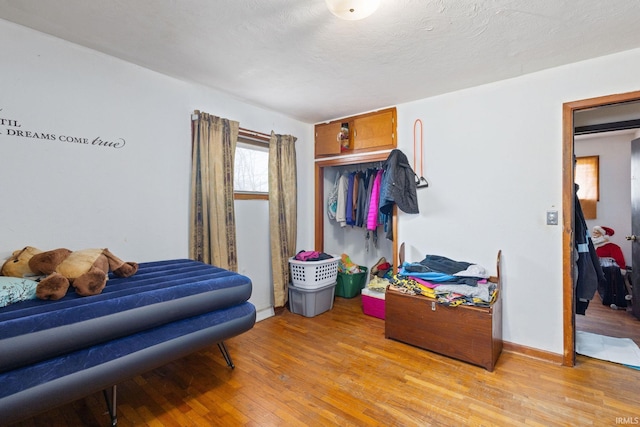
pixel 241 131
pixel 253 134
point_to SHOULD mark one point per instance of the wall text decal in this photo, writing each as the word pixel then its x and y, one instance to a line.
pixel 13 128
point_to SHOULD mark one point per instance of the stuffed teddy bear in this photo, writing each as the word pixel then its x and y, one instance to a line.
pixel 18 264
pixel 86 270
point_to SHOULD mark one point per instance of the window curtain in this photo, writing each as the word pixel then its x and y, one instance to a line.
pixel 283 209
pixel 212 227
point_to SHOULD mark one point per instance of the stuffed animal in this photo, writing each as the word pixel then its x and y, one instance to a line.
pixel 18 264
pixel 86 270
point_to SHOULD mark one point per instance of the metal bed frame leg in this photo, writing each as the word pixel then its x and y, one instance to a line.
pixel 111 404
pixel 225 354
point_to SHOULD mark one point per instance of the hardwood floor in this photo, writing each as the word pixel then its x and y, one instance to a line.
pixel 338 369
pixel 603 320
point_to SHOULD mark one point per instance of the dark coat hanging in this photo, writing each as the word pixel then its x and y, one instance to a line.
pixel 398 185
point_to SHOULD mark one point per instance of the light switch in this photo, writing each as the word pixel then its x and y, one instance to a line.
pixel 552 217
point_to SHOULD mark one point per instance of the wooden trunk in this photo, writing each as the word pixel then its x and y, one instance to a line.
pixel 468 333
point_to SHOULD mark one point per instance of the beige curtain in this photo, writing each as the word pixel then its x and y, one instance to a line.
pixel 282 212
pixel 212 227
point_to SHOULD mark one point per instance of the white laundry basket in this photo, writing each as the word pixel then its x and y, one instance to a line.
pixel 314 274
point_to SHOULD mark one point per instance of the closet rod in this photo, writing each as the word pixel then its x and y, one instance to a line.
pixel 360 167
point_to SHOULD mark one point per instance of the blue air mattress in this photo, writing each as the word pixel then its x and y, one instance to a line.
pixel 54 352
pixel 159 293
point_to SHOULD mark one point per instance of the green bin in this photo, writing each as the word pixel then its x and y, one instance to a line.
pixel 350 285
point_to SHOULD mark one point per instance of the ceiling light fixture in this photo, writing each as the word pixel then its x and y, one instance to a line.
pixel 352 10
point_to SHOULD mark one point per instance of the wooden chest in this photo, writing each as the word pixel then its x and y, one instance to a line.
pixel 468 333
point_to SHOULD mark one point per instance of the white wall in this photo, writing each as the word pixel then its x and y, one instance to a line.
pixel 254 260
pixel 493 158
pixel 614 206
pixel 133 200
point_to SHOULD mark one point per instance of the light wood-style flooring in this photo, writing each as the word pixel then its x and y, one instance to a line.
pixel 338 369
pixel 603 320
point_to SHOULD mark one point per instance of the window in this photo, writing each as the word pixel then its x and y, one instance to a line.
pixel 588 180
pixel 251 169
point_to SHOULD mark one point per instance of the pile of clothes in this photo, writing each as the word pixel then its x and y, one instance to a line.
pixel 346 266
pixel 380 275
pixel 449 282
pixel 312 256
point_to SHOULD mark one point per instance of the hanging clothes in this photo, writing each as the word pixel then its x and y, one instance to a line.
pixel 370 177
pixel 348 207
pixel 354 199
pixel 372 218
pixel 361 200
pixel 332 201
pixel 343 185
pixel 590 274
pixel 399 185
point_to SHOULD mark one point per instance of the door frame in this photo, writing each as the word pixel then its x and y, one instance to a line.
pixel 635 274
pixel 568 212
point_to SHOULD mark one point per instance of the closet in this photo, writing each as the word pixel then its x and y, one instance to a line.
pixel 329 236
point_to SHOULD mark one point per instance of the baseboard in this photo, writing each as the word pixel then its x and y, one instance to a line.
pixel 533 352
pixel 264 313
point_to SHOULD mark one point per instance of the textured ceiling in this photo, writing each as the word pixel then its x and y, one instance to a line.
pixel 295 57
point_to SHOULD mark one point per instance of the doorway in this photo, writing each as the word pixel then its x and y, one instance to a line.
pixel 568 209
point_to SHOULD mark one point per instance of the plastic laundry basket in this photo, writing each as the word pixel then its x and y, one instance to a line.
pixel 314 274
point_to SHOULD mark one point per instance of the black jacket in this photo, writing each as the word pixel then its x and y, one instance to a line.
pixel 398 185
pixel 589 272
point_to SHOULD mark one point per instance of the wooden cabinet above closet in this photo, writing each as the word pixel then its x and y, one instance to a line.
pixel 358 134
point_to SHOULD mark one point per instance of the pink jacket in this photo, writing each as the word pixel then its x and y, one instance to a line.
pixel 372 217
